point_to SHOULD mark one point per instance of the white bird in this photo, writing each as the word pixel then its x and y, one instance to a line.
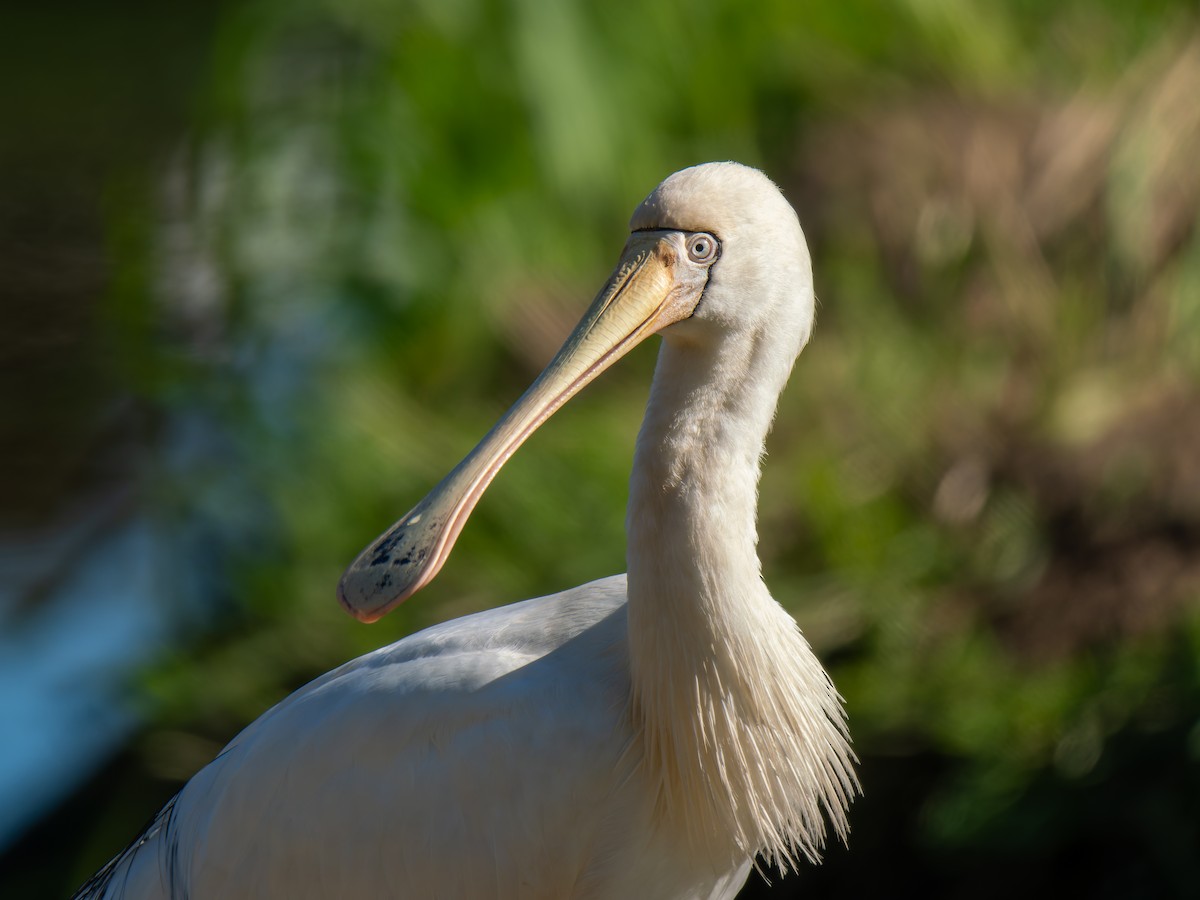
pixel 644 735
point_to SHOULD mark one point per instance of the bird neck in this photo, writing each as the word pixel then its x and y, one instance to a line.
pixel 743 733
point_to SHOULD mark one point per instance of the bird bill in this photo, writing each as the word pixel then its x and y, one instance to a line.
pixel 652 287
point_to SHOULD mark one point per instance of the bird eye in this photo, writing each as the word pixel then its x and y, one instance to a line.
pixel 702 248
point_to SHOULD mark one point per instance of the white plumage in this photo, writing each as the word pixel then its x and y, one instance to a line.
pixel 639 736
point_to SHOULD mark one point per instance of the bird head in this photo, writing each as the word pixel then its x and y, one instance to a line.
pixel 761 277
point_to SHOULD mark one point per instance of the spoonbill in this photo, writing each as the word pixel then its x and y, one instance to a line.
pixel 644 735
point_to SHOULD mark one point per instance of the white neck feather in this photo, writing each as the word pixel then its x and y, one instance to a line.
pixel 743 731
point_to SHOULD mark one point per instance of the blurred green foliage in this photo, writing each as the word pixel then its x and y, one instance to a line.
pixel 982 499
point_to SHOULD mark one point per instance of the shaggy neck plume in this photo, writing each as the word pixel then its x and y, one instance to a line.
pixel 743 732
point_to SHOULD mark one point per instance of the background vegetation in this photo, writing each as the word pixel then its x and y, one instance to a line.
pixel 271 266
